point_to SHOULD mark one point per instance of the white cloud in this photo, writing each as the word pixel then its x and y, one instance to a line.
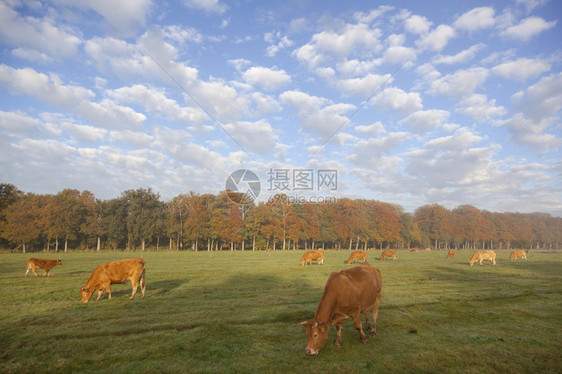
pixel 521 69
pixel 461 57
pixel 277 43
pixel 423 120
pixel 532 133
pixel 476 19
pixel 16 122
pixel 394 98
pixel 256 136
pixel 528 28
pixel 437 39
pixel 543 99
pixel 369 152
pixel 268 79
pixel 37 39
pixel 51 90
pixel 209 6
pixel 417 24
pixel 364 86
pixel 460 83
pixel 352 39
pixel 478 107
pixel 156 101
pixel 368 17
pixel 317 114
pixel 374 129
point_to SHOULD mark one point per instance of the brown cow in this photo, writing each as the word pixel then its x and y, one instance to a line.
pixel 483 255
pixel 41 263
pixel 451 253
pixel 310 256
pixel 356 256
pixel 515 254
pixel 427 249
pixel 388 254
pixel 118 272
pixel 347 294
pixel 414 250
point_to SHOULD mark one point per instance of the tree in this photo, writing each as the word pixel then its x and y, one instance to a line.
pixel 143 213
pixel 22 222
pixel 434 221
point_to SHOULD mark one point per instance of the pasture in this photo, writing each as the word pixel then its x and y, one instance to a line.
pixel 239 312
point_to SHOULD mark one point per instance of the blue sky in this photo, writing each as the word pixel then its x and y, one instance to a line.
pixel 410 102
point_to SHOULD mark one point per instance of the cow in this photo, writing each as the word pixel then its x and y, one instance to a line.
pixel 356 256
pixel 427 249
pixel 41 263
pixel 451 253
pixel 515 254
pixel 118 272
pixel 310 256
pixel 387 254
pixel 347 294
pixel 483 255
pixel 414 250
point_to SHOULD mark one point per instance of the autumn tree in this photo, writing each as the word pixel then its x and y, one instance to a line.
pixel 22 220
pixel 434 220
pixel 143 213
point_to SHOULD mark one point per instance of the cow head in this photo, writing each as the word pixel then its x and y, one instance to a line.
pixel 472 261
pixel 86 294
pixel 317 334
pixel 59 262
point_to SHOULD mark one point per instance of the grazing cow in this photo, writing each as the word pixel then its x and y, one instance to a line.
pixel 483 255
pixel 388 254
pixel 310 256
pixel 515 254
pixel 41 263
pixel 451 253
pixel 118 272
pixel 356 256
pixel 414 250
pixel 427 249
pixel 347 294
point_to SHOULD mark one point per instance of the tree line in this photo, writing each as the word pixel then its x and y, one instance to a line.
pixel 139 219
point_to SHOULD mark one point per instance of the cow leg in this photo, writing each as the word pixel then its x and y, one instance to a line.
pixel 357 322
pixel 339 326
pixel 135 285
pixel 108 288
pixel 375 312
pixel 100 291
pixel 142 283
pixel 46 272
pixel 27 271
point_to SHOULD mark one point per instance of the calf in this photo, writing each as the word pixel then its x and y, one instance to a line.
pixel 41 263
pixel 388 254
pixel 347 294
pixel 310 256
pixel 483 255
pixel 118 272
pixel 515 254
pixel 451 253
pixel 356 256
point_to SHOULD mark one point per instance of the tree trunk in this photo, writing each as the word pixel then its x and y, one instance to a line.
pixel 65 245
pixel 98 247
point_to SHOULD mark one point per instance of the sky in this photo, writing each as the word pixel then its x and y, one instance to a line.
pixel 406 102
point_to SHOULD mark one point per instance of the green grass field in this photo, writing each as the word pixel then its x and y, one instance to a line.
pixel 212 312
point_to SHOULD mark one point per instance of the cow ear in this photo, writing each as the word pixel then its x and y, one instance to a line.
pixel 304 323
